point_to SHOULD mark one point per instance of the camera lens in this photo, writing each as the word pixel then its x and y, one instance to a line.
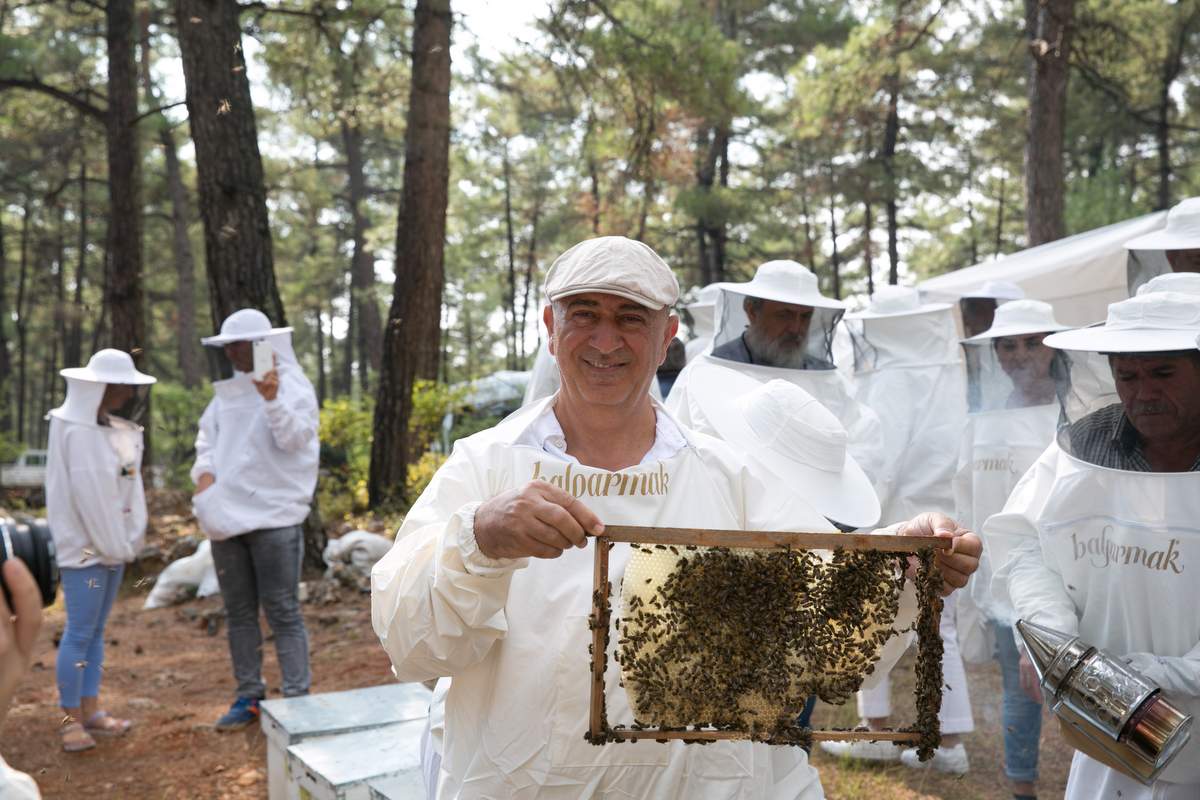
pixel 30 541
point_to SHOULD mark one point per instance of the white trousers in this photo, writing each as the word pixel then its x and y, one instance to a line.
pixel 955 713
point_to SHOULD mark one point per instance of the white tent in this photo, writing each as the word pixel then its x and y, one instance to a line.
pixel 1079 275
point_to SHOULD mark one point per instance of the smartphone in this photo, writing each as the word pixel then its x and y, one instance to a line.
pixel 264 358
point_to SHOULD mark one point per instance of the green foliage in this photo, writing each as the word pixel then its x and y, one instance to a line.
pixel 345 433
pixel 175 412
pixel 421 473
pixel 10 448
pixel 431 402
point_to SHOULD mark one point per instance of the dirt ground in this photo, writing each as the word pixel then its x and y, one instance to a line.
pixel 168 670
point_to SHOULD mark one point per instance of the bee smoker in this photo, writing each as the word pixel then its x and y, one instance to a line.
pixel 1107 710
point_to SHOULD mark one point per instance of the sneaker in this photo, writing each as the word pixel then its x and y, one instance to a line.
pixel 862 750
pixel 243 712
pixel 951 760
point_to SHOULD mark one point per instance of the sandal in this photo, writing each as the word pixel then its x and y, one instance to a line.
pixel 104 724
pixel 75 738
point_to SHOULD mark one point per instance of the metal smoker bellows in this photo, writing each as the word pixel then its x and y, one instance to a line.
pixel 1117 716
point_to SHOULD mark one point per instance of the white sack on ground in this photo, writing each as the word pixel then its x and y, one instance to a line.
pixel 359 549
pixel 192 576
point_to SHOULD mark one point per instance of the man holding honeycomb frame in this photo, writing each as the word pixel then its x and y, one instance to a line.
pixel 490 581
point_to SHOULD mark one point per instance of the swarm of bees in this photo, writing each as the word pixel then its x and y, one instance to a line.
pixel 739 639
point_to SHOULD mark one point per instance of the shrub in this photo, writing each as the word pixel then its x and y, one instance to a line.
pixel 420 473
pixel 175 416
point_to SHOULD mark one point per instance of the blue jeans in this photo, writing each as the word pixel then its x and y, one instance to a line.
pixel 89 593
pixel 263 568
pixel 1022 716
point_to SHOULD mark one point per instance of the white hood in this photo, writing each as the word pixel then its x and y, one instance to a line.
pixel 82 403
pixel 908 371
pixel 925 339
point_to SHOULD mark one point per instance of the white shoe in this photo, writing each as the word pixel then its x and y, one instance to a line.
pixel 863 750
pixel 951 760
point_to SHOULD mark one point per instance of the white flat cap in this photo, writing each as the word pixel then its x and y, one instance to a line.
pixel 613 265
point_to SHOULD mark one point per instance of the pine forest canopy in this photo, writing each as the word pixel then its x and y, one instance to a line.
pixel 875 141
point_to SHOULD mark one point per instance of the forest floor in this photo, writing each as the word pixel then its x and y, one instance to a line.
pixel 168 670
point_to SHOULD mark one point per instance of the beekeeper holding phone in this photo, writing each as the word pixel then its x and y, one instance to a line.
pixel 255 472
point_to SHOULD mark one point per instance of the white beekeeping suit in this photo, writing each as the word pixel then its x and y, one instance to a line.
pixel 263 454
pixel 95 500
pixel 1094 542
pixel 808 364
pixel 1008 431
pixel 908 370
pixel 513 633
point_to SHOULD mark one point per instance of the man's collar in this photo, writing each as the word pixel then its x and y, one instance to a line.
pixel 540 428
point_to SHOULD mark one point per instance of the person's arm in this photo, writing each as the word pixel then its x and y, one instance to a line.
pixel 96 495
pixel 438 597
pixel 1178 675
pixel 206 442
pixel 1024 578
pixel 291 408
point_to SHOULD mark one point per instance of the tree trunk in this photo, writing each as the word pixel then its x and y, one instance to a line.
pixel 410 350
pixel 347 379
pixel 810 247
pixel 58 343
pixel 530 270
pixel 593 171
pixel 710 230
pixel 320 356
pixel 123 295
pixel 891 133
pixel 868 254
pixel 185 266
pixel 73 350
pixel 834 259
pixel 1048 24
pixel 22 321
pixel 999 220
pixel 973 238
pixel 229 175
pixel 6 404
pixel 511 287
pixel 368 329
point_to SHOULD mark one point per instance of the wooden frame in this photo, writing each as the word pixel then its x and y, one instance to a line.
pixel 599 731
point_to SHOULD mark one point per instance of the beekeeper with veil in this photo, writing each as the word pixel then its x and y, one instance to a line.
pixel 778 326
pixel 908 370
pixel 490 579
pixel 1017 387
pixel 96 507
pixel 1101 536
pixel 255 471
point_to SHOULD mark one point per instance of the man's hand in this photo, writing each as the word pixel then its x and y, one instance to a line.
pixel 205 480
pixel 961 560
pixel 268 387
pixel 18 628
pixel 538 520
pixel 1029 678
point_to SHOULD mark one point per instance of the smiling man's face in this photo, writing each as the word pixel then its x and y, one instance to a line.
pixel 607 347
